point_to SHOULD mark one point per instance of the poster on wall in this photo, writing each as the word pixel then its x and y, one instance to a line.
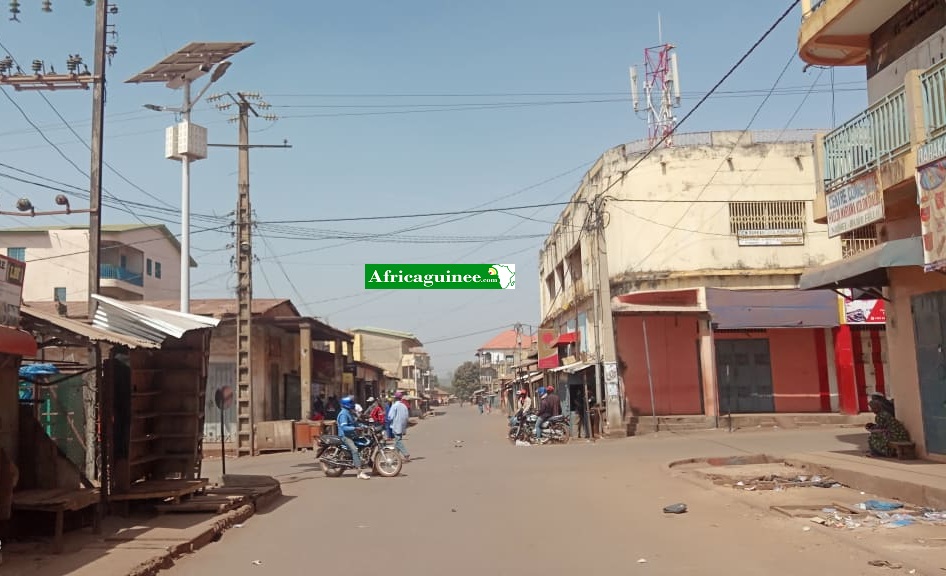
pixel 854 205
pixel 548 353
pixel 862 311
pixel 931 196
pixel 11 291
pixel 611 378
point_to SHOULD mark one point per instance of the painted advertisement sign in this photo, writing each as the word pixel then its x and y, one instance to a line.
pixel 11 291
pixel 862 311
pixel 854 205
pixel 931 192
pixel 548 353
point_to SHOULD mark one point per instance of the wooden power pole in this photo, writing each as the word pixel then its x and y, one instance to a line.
pixel 246 104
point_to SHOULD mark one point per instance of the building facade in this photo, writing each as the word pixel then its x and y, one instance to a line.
pixel 500 360
pixel 138 262
pixel 400 354
pixel 691 235
pixel 883 171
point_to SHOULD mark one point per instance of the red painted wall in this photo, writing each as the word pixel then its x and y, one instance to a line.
pixel 797 379
pixel 674 360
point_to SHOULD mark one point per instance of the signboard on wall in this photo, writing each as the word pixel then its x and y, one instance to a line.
pixel 931 196
pixel 548 353
pixel 854 205
pixel 862 311
pixel 786 237
pixel 11 291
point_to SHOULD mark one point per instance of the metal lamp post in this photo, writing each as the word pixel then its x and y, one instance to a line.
pixel 185 141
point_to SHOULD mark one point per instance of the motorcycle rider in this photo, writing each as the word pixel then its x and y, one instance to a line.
pixel 347 425
pixel 525 403
pixel 548 407
pixel 375 412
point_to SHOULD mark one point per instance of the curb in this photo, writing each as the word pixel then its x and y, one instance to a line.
pixel 211 534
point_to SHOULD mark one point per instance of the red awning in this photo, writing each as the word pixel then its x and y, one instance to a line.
pixel 16 342
pixel 567 338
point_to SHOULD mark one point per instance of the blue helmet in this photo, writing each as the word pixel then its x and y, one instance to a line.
pixel 541 391
pixel 348 402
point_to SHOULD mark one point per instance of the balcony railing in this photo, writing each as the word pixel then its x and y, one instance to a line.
pixel 934 99
pixel 876 135
pixel 113 272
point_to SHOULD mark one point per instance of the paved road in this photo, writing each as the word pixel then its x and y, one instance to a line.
pixel 492 508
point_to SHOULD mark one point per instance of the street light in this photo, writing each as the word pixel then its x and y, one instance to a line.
pixel 186 141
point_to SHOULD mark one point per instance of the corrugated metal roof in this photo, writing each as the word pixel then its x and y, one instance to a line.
pixel 91 333
pixel 220 307
pixel 386 332
pixel 146 322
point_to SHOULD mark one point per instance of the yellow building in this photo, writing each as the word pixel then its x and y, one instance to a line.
pixel 883 180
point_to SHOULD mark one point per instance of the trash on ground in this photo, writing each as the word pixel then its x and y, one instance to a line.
pixel 884 564
pixel 675 509
pixel 879 505
pixel 522 443
pixel 642 561
pixel 780 483
pixel 257 562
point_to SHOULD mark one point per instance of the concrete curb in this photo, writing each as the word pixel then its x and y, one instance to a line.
pixel 209 535
pixel 892 488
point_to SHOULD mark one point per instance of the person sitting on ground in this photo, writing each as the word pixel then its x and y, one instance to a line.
pixel 884 430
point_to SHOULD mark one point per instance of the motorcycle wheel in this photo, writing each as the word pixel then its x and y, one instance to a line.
pixel 332 471
pixel 512 435
pixel 563 434
pixel 388 463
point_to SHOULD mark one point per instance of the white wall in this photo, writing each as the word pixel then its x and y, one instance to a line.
pixel 677 223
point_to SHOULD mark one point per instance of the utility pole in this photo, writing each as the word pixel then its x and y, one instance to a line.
pixel 605 354
pixel 246 104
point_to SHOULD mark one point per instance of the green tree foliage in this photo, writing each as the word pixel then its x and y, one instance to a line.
pixel 466 379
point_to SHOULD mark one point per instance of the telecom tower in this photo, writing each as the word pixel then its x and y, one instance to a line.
pixel 661 91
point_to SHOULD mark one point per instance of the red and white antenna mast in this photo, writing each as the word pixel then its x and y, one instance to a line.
pixel 661 88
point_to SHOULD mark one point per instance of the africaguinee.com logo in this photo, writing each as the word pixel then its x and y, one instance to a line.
pixel 440 276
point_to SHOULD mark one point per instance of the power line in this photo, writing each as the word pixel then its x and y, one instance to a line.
pixel 420 215
pixel 706 186
pixel 696 107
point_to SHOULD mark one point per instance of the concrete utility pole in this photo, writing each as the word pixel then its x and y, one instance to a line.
pixel 246 103
pixel 605 353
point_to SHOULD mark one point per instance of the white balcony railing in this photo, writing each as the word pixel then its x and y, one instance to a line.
pixel 874 136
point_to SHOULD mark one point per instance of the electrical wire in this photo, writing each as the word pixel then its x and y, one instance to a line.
pixel 706 186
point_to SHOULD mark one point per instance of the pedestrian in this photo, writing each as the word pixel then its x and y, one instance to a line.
pixel 479 403
pixel 375 412
pixel 398 416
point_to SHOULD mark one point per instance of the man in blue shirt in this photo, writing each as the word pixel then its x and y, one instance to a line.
pixel 347 424
pixel 398 417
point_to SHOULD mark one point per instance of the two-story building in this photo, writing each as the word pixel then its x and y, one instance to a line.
pixel 137 261
pixel 500 362
pixel 884 172
pixel 703 244
pixel 400 354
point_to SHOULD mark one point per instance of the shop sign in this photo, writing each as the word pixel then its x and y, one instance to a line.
pixel 931 193
pixel 548 353
pixel 932 150
pixel 11 291
pixel 862 311
pixel 854 205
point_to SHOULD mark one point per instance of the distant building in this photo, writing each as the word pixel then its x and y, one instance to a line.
pixel 400 354
pixel 138 262
pixel 499 359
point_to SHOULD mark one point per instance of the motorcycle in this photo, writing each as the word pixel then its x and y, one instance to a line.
pixel 522 428
pixel 334 456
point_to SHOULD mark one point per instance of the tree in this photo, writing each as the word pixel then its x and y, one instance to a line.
pixel 466 379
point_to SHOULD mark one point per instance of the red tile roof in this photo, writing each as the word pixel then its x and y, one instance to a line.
pixel 507 341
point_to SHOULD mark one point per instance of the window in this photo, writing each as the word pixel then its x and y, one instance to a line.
pixel 768 223
pixel 59 294
pixel 574 264
pixel 550 285
pixel 123 262
pixel 148 266
pixel 858 240
pixel 157 269
pixel 17 254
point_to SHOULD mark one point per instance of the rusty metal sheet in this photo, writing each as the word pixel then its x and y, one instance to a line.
pixel 760 309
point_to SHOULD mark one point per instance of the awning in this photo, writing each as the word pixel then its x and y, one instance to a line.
pixel 573 368
pixel 763 309
pixel 146 322
pixel 867 269
pixel 71 330
pixel 567 338
pixel 16 342
pixel 536 378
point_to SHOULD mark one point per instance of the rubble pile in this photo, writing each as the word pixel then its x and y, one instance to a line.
pixel 875 514
pixel 779 483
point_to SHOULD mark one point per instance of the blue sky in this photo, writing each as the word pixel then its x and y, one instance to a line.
pixel 398 108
